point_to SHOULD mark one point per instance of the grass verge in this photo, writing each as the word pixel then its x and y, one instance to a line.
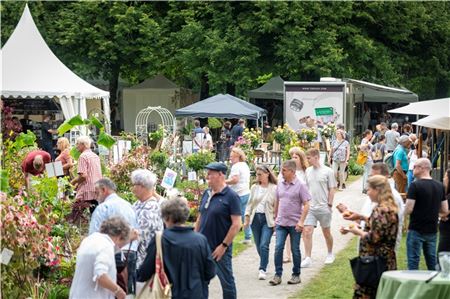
pixel 238 247
pixel 336 280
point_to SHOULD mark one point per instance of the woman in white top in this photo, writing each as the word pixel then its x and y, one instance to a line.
pixel 298 155
pixel 239 181
pixel 207 140
pixel 260 214
pixel 95 271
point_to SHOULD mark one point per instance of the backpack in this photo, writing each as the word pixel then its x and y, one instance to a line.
pixel 389 161
pixel 378 155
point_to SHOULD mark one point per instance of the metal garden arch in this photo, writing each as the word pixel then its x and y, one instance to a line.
pixel 141 123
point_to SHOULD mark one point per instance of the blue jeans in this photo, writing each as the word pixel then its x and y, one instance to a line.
pixel 410 177
pixel 262 235
pixel 244 201
pixel 282 233
pixel 415 241
pixel 225 273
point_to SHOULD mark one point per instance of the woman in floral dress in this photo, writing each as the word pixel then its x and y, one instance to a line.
pixel 379 235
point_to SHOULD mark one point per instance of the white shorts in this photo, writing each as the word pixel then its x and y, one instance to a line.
pixel 322 216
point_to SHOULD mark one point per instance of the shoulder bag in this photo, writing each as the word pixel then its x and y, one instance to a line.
pixel 367 270
pixel 158 286
pixel 122 273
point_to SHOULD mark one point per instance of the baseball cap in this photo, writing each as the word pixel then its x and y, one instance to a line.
pixel 217 167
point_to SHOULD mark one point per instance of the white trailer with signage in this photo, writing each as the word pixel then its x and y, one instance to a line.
pixel 322 101
pixel 348 101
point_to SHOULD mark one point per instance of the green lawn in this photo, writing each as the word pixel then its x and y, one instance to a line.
pixel 237 246
pixel 336 280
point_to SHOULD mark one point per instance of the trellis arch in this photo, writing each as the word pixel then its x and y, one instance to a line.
pixel 141 123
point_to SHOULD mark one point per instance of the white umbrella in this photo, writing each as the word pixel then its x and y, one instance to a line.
pixel 434 122
pixel 439 107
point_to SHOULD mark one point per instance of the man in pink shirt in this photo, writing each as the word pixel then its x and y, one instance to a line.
pixel 89 171
pixel 291 208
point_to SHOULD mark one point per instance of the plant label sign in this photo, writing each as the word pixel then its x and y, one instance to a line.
pixel 169 178
pixel 192 176
pixel 6 256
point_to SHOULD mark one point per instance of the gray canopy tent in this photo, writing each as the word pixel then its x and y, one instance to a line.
pixel 272 90
pixel 222 106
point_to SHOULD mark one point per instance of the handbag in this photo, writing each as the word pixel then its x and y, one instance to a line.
pixel 158 286
pixel 361 159
pixel 367 270
pixel 122 273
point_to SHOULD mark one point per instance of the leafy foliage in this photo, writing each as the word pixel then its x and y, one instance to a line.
pixel 199 160
pixel 192 42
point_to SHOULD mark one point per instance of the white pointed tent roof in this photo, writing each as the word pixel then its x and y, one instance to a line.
pixel 30 69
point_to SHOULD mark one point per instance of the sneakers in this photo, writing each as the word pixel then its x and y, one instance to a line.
pixel 306 263
pixel 329 259
pixel 295 279
pixel 276 280
pixel 246 242
pixel 262 275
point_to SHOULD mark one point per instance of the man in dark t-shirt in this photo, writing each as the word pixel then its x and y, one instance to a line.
pixel 425 199
pixel 219 221
pixel 237 130
pixel 47 138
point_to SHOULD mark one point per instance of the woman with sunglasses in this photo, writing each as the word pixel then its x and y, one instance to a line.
pixel 259 214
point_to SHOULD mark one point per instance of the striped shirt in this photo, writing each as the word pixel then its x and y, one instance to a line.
pixel 88 163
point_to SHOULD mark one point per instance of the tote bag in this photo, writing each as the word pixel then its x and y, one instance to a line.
pixel 367 270
pixel 158 286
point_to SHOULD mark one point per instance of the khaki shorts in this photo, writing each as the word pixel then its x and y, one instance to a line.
pixel 321 216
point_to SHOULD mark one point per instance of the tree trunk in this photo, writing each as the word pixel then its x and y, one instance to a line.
pixel 442 88
pixel 114 86
pixel 204 90
pixel 231 88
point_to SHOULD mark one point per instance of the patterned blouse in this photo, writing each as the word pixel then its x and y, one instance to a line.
pixel 340 150
pixel 380 241
pixel 149 220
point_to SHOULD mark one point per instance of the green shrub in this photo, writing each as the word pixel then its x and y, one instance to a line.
pixel 198 161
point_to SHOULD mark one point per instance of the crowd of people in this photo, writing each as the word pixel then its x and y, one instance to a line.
pixel 287 206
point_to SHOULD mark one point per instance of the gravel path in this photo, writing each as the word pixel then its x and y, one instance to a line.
pixel 245 265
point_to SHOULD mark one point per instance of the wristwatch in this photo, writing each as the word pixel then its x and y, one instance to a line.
pixel 224 244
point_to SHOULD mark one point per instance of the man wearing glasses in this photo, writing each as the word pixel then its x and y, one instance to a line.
pixel 425 200
pixel 219 221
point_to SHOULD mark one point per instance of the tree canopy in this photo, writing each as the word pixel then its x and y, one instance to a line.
pixel 227 46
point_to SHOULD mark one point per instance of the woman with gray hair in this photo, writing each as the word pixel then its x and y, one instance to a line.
pixel 189 278
pixel 95 271
pixel 147 208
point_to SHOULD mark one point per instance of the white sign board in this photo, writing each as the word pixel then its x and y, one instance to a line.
pixel 169 178
pixel 322 101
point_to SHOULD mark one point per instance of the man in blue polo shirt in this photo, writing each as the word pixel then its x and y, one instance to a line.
pixel 219 221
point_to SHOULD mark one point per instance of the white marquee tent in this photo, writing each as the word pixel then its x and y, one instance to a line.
pixel 31 70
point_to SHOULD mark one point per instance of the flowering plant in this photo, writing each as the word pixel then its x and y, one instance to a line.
pixel 284 135
pixel 252 135
pixel 26 229
pixel 328 130
pixel 121 172
pixel 308 134
pixel 246 145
